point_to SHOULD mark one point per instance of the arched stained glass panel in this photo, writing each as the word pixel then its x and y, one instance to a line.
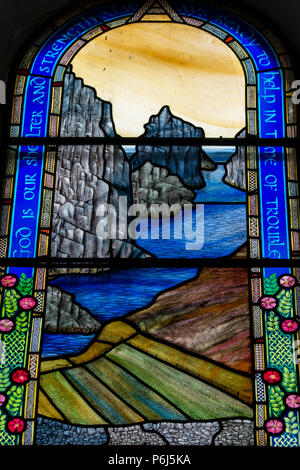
pixel 150 232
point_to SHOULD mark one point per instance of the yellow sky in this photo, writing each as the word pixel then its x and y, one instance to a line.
pixel 141 67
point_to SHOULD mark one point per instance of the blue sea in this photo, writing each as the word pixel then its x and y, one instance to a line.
pixel 115 294
pixel 224 219
pixel 221 230
pixel 217 154
pixel 111 295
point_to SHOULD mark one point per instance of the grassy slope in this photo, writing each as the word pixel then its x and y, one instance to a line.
pixel 125 378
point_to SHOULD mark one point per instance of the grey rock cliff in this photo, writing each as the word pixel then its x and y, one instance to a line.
pixel 154 185
pixel 87 176
pixel 186 162
pixel 236 167
pixel 64 315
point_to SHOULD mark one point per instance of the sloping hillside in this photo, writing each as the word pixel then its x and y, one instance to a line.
pixel 125 378
pixel 208 315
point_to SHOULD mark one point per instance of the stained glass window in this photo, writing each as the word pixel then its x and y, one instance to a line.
pixel 150 232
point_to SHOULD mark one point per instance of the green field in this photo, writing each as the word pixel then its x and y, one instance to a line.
pixel 136 380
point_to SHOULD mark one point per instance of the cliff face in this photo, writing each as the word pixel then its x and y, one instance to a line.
pixel 154 185
pixel 186 162
pixel 208 316
pixel 236 167
pixel 87 176
pixel 64 315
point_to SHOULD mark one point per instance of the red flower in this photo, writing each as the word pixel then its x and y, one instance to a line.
pixel 6 325
pixel 2 400
pixel 293 401
pixel 272 377
pixel 287 281
pixel 27 303
pixel 289 326
pixel 268 303
pixel 20 376
pixel 16 426
pixel 274 426
pixel 9 281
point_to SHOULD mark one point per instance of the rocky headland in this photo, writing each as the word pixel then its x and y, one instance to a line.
pixel 155 185
pixel 65 316
pixel 186 162
pixel 90 176
pixel 86 177
pixel 236 167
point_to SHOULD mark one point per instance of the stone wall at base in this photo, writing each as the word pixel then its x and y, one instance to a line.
pixel 235 432
pixel 186 434
pixel 55 433
pixel 133 436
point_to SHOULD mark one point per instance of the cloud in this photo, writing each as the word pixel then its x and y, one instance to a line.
pixel 143 66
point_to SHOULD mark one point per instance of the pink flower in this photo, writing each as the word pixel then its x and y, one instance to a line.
pixel 293 401
pixel 6 325
pixel 287 281
pixel 16 426
pixel 20 376
pixel 274 426
pixel 272 377
pixel 268 303
pixel 9 281
pixel 2 400
pixel 290 326
pixel 27 303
